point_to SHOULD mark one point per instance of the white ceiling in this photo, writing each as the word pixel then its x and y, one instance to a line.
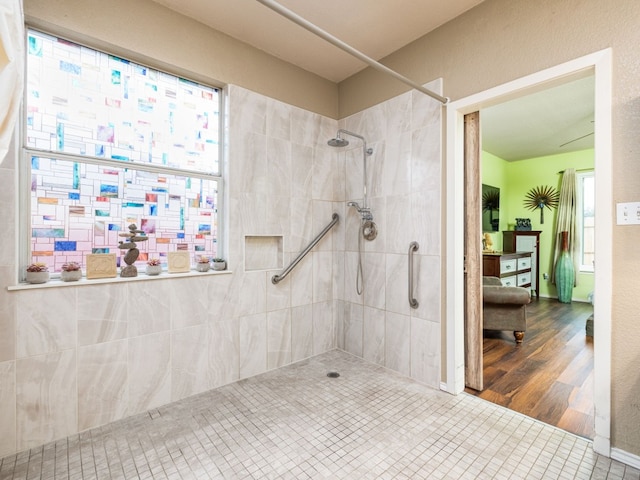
pixel 529 127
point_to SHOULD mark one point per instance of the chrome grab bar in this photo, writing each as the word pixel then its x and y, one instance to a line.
pixel 413 246
pixel 276 278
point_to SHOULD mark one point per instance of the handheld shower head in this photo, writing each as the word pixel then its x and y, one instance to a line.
pixel 354 204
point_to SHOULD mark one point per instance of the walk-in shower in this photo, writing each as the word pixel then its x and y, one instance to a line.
pixel 368 229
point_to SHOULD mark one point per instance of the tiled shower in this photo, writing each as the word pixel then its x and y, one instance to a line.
pixel 79 356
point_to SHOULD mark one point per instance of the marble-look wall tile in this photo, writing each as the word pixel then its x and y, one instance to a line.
pixel 224 352
pixel 397 164
pixel 7 408
pixel 399 113
pixel 301 171
pixel 353 328
pixel 249 169
pixel 374 335
pixel 426 159
pixel 278 119
pixel 374 268
pixel 425 352
pixel 149 307
pixel 7 318
pixel 306 127
pixel 322 182
pixel 338 276
pixel 250 292
pixel 301 332
pixel 279 172
pixel 302 282
pixel 426 111
pixel 46 321
pixel 249 111
pixel 278 338
pixel 399 221
pixel 301 227
pixel 278 295
pixel 189 302
pixel 45 410
pixel 189 361
pixel 322 276
pixel 253 345
pixel 339 320
pixel 278 215
pixel 220 305
pixel 149 366
pixel 102 384
pixel 396 286
pixel 426 217
pixel 397 343
pixel 338 177
pixel 323 328
pixel 102 313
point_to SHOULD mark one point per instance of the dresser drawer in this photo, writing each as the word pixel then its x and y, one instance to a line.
pixel 524 279
pixel 508 266
pixel 511 281
pixel 524 263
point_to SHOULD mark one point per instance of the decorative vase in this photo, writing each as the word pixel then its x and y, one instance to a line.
pixel 219 265
pixel 70 276
pixel 202 267
pixel 565 273
pixel 37 277
pixel 154 269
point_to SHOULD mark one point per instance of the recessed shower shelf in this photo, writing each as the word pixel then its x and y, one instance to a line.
pixel 263 252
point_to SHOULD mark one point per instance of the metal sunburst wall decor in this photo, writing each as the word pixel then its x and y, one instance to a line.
pixel 540 197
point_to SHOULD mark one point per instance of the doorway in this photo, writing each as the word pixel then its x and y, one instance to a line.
pixel 598 64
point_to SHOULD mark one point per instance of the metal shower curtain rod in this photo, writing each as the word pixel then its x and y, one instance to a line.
pixel 294 17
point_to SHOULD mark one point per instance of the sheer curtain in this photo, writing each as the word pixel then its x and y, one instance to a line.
pixel 11 69
pixel 566 221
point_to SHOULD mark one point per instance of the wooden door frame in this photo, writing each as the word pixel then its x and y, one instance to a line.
pixel 599 65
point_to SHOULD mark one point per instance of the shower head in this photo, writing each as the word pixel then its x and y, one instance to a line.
pixel 338 142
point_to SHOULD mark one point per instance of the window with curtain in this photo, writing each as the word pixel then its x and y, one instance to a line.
pixel 586 219
pixel 109 143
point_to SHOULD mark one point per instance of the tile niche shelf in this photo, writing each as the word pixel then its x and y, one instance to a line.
pixel 263 252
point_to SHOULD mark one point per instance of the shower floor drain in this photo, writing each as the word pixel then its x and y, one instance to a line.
pixel 333 374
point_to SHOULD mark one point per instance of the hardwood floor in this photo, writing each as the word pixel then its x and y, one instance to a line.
pixel 550 376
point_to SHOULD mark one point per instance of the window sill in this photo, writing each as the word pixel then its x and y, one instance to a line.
pixel 55 283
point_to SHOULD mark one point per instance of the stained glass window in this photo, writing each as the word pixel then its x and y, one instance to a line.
pixel 111 143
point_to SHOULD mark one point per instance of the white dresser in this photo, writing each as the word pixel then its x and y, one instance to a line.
pixel 513 269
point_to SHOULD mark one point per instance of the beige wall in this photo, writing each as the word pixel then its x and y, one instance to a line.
pixel 501 40
pixel 148 33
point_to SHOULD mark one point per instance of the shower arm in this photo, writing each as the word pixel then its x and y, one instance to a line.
pixel 294 17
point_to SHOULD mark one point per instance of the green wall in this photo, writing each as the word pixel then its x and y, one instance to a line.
pixel 515 179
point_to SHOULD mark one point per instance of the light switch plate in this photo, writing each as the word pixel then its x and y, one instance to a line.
pixel 628 213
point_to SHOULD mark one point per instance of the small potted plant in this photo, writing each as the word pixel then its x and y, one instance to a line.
pixel 71 272
pixel 37 273
pixel 154 267
pixel 203 264
pixel 219 263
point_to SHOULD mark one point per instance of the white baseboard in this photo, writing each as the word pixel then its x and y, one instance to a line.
pixel 626 458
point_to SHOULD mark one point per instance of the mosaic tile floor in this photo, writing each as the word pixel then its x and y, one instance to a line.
pixel 297 423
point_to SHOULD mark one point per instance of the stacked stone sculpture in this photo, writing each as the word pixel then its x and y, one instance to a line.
pixel 133 235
